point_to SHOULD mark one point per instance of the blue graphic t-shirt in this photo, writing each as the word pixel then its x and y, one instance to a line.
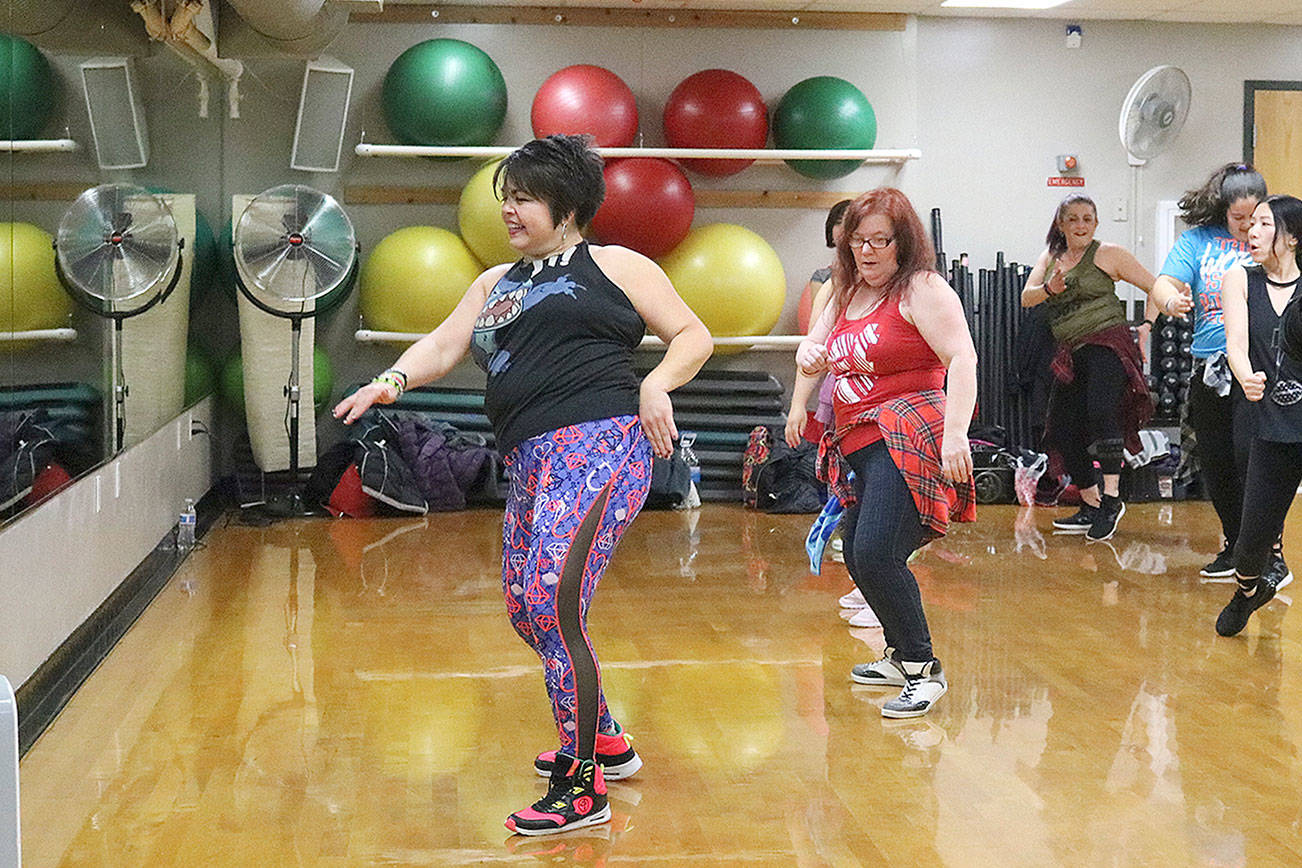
pixel 1200 259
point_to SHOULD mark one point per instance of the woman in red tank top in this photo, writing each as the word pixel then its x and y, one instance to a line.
pixel 893 335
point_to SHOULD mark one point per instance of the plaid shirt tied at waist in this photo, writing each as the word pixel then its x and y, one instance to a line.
pixel 912 426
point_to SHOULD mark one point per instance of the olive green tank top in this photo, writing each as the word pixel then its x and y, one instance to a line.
pixel 1088 305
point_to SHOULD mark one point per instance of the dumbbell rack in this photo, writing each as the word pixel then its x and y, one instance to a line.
pixel 1170 366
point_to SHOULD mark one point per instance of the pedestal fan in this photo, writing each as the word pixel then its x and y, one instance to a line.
pixel 118 253
pixel 293 246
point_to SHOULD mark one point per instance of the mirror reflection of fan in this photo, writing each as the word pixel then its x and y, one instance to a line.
pixel 118 253
pixel 1152 115
pixel 293 246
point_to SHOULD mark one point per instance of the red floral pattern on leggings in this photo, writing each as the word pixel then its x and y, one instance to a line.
pixel 556 479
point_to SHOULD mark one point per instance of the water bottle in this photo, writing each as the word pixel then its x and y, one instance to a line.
pixel 186 526
pixel 685 441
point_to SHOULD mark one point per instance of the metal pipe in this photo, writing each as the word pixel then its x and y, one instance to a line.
pixel 62 335
pixel 37 146
pixel 364 149
pixel 755 342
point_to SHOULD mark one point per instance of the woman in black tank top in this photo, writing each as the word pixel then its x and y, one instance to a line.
pixel 556 333
pixel 1253 299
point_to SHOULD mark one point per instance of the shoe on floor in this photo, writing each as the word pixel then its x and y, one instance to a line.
pixel 853 600
pixel 614 754
pixel 865 617
pixel 576 797
pixel 1234 617
pixel 1106 518
pixel 924 684
pixel 1078 522
pixel 883 673
pixel 1221 566
pixel 1277 574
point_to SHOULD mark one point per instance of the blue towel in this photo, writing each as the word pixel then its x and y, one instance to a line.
pixel 821 531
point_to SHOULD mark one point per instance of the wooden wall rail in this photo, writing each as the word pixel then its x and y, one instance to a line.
pixel 819 200
pixel 585 16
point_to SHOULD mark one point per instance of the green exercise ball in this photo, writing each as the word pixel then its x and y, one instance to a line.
pixel 444 92
pixel 824 112
pixel 200 381
pixel 231 387
pixel 27 89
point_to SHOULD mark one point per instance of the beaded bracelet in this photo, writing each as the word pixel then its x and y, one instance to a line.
pixel 393 377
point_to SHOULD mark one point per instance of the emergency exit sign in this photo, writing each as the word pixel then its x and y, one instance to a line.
pixel 1070 181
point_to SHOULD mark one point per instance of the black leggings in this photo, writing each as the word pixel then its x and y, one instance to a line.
pixel 881 530
pixel 1274 471
pixel 1086 413
pixel 1223 428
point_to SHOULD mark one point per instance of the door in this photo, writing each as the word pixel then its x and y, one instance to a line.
pixel 1272 133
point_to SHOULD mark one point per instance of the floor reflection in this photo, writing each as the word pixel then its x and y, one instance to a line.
pixel 349 692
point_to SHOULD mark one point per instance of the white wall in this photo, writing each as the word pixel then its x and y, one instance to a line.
pixel 60 561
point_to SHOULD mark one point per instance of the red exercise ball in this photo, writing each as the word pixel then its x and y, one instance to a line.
pixel 716 108
pixel 649 206
pixel 586 99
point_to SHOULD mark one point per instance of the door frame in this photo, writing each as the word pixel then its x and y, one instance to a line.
pixel 1250 89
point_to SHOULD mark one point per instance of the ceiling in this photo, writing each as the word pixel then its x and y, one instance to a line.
pixel 1218 11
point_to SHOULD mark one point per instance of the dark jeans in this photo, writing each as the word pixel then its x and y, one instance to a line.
pixel 1088 410
pixel 1223 428
pixel 1274 471
pixel 880 532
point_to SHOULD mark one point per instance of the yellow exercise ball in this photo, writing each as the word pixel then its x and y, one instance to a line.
pixel 414 278
pixel 31 296
pixel 479 216
pixel 731 277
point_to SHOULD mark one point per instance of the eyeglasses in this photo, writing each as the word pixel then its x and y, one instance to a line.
pixel 879 243
pixel 1285 393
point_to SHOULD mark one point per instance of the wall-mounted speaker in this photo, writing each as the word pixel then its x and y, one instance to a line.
pixel 117 117
pixel 322 116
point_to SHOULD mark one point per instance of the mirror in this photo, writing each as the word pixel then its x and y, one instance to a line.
pixel 89 100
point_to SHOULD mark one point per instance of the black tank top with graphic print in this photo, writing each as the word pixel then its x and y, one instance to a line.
pixel 1275 422
pixel 556 337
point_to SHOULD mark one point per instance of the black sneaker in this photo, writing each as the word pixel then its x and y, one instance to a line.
pixel 576 797
pixel 1277 574
pixel 1234 617
pixel 1222 566
pixel 1106 518
pixel 1080 522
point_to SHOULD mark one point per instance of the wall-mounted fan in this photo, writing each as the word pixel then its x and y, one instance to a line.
pixel 1152 115
pixel 293 246
pixel 118 253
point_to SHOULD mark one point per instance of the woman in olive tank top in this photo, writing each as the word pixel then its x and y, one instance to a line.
pixel 1099 396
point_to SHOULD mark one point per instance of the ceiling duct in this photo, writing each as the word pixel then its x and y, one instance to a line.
pixel 279 28
pixel 77 26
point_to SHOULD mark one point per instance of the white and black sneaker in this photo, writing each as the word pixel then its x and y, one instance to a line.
pixel 881 673
pixel 1079 522
pixel 924 684
pixel 1106 518
pixel 1222 566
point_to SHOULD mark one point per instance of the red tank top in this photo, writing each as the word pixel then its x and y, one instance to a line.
pixel 877 358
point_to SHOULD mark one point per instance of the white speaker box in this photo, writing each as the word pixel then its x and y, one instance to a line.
pixel 117 117
pixel 322 116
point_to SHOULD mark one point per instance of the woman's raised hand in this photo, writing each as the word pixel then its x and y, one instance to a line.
pixel 353 406
pixel 811 357
pixel 1254 386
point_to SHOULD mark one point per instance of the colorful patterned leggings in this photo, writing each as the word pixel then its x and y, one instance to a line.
pixel 573 493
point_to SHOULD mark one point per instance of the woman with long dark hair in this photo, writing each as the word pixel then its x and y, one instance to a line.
pixel 1253 300
pixel 1220 214
pixel 1100 398
pixel 556 332
pixel 896 341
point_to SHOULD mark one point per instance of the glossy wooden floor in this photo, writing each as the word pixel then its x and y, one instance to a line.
pixel 349 693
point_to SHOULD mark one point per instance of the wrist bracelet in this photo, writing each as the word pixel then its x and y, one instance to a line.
pixel 393 377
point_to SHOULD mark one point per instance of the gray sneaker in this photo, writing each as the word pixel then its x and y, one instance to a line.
pixel 925 683
pixel 883 673
pixel 1277 574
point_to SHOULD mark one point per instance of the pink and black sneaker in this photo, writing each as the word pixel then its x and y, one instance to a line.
pixel 576 797
pixel 614 754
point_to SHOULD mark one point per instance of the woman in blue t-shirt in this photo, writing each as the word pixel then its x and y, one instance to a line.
pixel 1220 212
